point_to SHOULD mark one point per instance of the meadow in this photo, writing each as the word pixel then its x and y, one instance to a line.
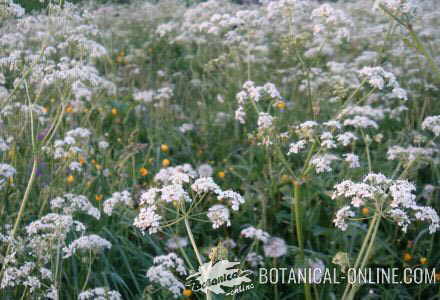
pixel 140 141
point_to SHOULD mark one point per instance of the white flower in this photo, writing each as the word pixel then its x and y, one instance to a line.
pixel 56 224
pixel 361 122
pixel 179 174
pixel 144 96
pixel 162 273
pixel 235 198
pixel 100 293
pixel 265 121
pixel 205 185
pixel 174 192
pixel 346 138
pixel 71 203
pixel 254 259
pixel 123 197
pixel 341 216
pixel 219 215
pixel 177 242
pixel 275 247
pixel 6 171
pixel 378 77
pixel 317 267
pixel 327 140
pixel 186 127
pixel 91 242
pixel 432 123
pixel 426 213
pixel 103 145
pixel 148 219
pixel 297 147
pixel 333 124
pixel 398 201
pixel 75 166
pixel 14 276
pixel 397 7
pixel 357 192
pixel 240 115
pixel 322 162
pixel 254 233
pixel 149 197
pixel 352 160
pixel 400 217
pixel 205 170
pixel 411 153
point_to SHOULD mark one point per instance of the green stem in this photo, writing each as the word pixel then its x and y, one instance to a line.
pixel 363 255
pixel 366 257
pixel 196 250
pixel 299 232
pixel 89 271
pixel 193 242
pixel 367 150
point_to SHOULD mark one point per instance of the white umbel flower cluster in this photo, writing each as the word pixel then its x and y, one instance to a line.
pixel 72 143
pixel 272 246
pixel 297 147
pixel 6 171
pixel 148 219
pixel 219 215
pixel 399 201
pixel 71 203
pixel 432 123
pixel 379 78
pixel 255 233
pixel 275 247
pixel 99 293
pixel 163 273
pixel 322 163
pixel 253 94
pixel 397 7
pixel 176 184
pixel 92 242
pixel 117 198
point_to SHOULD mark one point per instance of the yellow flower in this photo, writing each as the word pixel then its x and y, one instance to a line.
pixel 423 260
pixel 70 179
pixel 166 162
pixel 365 211
pixel 143 171
pixel 82 160
pixel 164 148
pixel 407 257
pixel 187 292
pixel 114 111
pixel 221 174
pixel 69 108
pixel 98 197
pixel 98 166
pixel 281 105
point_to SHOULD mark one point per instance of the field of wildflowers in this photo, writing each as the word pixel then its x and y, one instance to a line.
pixel 139 141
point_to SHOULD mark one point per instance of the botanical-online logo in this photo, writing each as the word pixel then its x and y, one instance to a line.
pixel 214 277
